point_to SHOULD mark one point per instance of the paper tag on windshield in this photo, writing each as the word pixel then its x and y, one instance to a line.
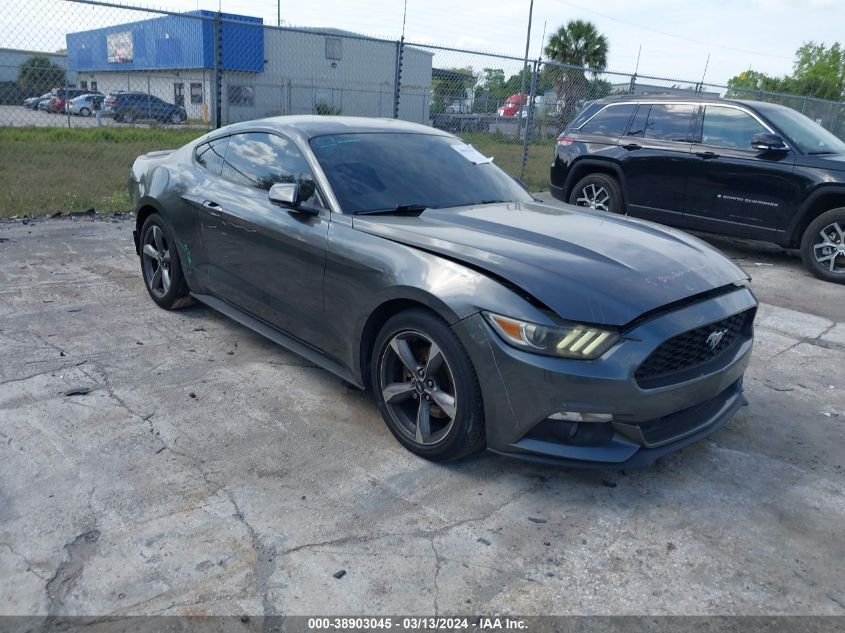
pixel 472 154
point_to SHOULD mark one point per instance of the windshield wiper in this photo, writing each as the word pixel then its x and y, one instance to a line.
pixel 819 153
pixel 397 210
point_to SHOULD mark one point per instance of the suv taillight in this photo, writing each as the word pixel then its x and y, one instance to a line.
pixel 565 140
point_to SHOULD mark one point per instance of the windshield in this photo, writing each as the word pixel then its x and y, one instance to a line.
pixel 383 171
pixel 809 136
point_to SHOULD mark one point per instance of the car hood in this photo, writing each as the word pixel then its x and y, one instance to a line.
pixel 586 266
pixel 825 161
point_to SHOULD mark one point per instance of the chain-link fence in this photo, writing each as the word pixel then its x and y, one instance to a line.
pixel 87 85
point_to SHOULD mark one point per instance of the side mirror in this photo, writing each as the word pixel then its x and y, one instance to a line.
pixel 767 142
pixel 287 194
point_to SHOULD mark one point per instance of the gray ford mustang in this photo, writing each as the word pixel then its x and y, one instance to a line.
pixel 404 261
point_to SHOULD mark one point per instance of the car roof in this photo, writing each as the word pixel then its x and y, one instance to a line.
pixel 309 126
pixel 692 96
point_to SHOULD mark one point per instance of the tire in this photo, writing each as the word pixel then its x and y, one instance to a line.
pixel 129 117
pixel 176 118
pixel 161 268
pixel 84 112
pixel 598 191
pixel 452 383
pixel 823 246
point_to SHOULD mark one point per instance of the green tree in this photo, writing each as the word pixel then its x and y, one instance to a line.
pixel 753 81
pixel 490 91
pixel 577 43
pixel 818 71
pixel 38 75
pixel 450 85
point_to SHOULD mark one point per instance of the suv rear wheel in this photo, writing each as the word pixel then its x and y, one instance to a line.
pixel 598 191
pixel 823 246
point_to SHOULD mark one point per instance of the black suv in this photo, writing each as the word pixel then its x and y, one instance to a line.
pixel 742 168
pixel 129 107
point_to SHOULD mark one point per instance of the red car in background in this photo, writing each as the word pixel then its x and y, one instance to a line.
pixel 513 105
pixel 60 96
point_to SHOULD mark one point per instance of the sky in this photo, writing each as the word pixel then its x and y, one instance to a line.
pixel 676 36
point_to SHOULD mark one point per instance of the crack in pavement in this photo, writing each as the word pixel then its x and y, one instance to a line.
pixel 437 564
pixel 28 562
pixel 78 552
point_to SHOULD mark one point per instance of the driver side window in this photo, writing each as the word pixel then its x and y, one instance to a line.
pixel 260 160
pixel 729 127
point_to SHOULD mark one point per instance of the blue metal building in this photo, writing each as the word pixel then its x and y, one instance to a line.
pixel 172 42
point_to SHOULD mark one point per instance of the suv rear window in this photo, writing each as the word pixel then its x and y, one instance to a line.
pixel 663 121
pixel 612 121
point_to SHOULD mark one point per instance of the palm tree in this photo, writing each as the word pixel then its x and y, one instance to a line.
pixel 577 43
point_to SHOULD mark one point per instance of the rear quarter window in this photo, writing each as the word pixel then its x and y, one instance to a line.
pixel 211 155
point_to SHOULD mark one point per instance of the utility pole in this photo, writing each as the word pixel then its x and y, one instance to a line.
pixel 278 12
pixel 525 65
pixel 704 74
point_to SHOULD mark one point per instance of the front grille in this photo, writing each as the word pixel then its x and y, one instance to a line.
pixel 693 348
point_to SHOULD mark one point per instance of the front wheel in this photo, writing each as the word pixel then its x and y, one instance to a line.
pixel 85 112
pixel 426 387
pixel 823 246
pixel 598 191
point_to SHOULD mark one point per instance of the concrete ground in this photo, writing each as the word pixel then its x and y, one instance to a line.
pixel 209 471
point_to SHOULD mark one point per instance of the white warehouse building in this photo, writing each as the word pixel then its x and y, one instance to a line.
pixel 265 71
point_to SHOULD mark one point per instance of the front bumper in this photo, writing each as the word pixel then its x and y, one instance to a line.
pixel 521 390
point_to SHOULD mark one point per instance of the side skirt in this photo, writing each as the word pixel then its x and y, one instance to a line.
pixel 277 336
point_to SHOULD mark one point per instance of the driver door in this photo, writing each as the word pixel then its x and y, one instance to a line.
pixel 265 259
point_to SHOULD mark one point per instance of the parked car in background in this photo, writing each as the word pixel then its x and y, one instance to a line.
pixel 742 168
pixel 60 96
pixel 32 102
pixel 43 106
pixel 513 105
pixel 129 107
pixel 478 316
pixel 85 105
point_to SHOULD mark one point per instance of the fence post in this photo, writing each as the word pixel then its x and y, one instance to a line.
pixel 218 75
pixel 528 119
pixel 397 77
pixel 836 110
pixel 633 85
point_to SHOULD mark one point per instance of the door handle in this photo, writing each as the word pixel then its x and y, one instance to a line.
pixel 707 155
pixel 631 146
pixel 213 208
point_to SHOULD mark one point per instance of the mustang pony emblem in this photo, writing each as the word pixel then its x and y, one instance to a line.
pixel 715 338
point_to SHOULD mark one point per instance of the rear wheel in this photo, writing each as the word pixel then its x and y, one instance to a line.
pixel 84 112
pixel 426 387
pixel 823 246
pixel 129 117
pixel 160 266
pixel 598 191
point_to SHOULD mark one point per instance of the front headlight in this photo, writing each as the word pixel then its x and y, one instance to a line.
pixel 572 340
